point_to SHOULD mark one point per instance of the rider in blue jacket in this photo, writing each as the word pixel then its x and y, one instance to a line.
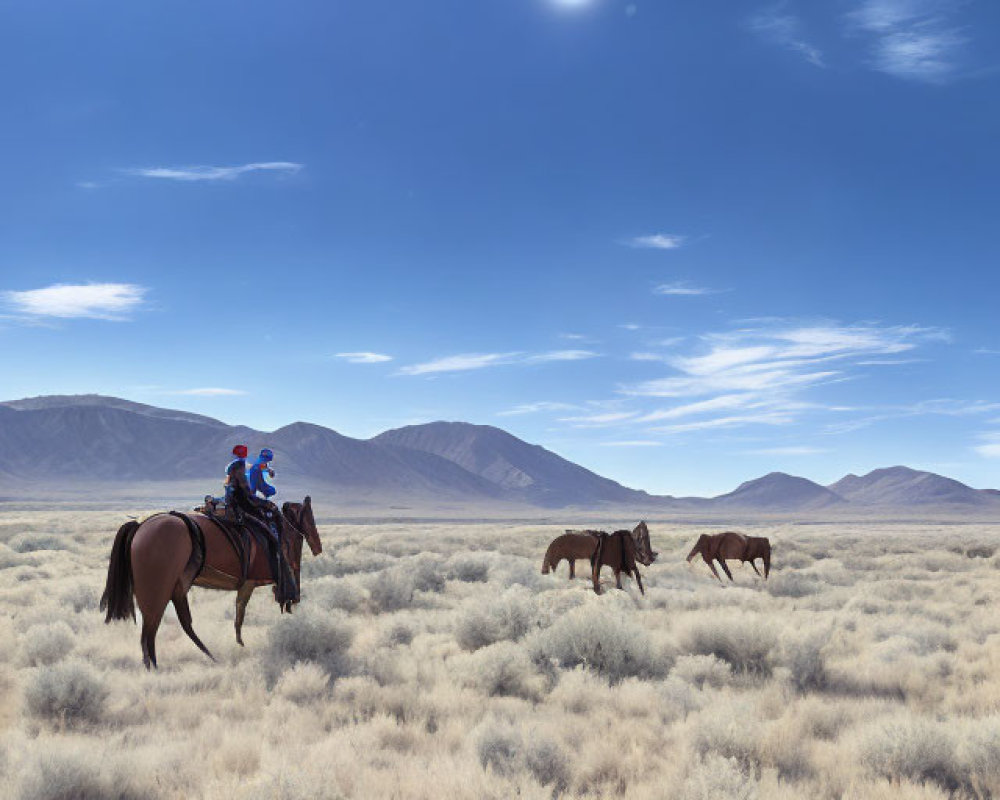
pixel 256 479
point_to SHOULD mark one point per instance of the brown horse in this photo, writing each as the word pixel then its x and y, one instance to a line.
pixel 735 546
pixel 573 546
pixel 161 558
pixel 620 551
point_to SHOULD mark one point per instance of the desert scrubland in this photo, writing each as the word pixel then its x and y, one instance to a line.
pixel 436 661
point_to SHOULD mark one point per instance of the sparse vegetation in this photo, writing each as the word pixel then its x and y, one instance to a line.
pixel 866 668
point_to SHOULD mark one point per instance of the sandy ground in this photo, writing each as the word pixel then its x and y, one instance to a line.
pixel 434 660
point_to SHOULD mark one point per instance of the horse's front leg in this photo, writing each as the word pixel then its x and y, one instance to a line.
pixel 242 598
pixel 711 566
pixel 755 569
pixel 618 579
pixel 572 568
pixel 638 579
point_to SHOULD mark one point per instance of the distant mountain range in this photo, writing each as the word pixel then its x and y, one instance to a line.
pixel 51 444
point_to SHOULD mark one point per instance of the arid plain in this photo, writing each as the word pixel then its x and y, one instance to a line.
pixel 434 660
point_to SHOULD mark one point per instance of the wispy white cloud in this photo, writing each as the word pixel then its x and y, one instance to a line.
pixel 208 173
pixel 107 301
pixel 734 421
pixel 645 357
pixel 560 355
pixel 658 241
pixel 535 408
pixel 364 358
pixel 633 443
pixel 683 288
pixel 777 26
pixel 464 362
pixel 599 420
pixel 912 39
pixel 793 450
pixel 991 445
pixel 211 391
pixel 778 358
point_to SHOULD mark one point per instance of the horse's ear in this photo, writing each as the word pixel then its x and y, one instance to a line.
pixel 307 502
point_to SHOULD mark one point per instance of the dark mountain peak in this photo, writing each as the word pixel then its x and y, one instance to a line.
pixel 99 401
pixel 778 491
pixel 904 486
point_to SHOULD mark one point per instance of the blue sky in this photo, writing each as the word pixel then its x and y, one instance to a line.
pixel 682 244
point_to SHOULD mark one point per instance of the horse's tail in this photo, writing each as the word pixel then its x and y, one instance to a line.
pixel 702 540
pixel 117 598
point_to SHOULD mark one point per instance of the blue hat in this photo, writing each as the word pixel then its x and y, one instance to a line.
pixel 266 455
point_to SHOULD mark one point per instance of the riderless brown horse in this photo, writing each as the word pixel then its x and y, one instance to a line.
pixel 572 545
pixel 620 551
pixel 161 558
pixel 735 546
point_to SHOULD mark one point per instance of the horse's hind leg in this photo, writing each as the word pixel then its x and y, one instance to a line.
pixel 180 601
pixel 755 569
pixel 242 598
pixel 638 580
pixel 572 568
pixel 722 563
pixel 148 639
pixel 618 579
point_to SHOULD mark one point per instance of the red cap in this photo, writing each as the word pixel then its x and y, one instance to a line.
pixel 240 451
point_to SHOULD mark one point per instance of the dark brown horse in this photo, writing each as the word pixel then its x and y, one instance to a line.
pixel 620 551
pixel 733 546
pixel 158 561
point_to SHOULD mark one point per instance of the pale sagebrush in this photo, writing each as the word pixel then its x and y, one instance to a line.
pixel 469 567
pixel 548 762
pixel 67 772
pixel 806 663
pixel 305 683
pixel 608 643
pixel 505 669
pixel 343 594
pixel 34 542
pixel 743 641
pixel 47 644
pixel 499 746
pixel 428 572
pixel 700 671
pixel 487 620
pixel 715 777
pixel 913 749
pixel 71 692
pixel 390 590
pixel 323 639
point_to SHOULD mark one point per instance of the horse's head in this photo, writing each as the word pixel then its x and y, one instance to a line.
pixel 301 516
pixel 644 552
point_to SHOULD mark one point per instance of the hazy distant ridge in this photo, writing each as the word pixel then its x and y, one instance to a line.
pixel 55 442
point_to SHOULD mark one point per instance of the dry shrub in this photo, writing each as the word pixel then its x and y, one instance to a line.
pixel 47 644
pixel 743 641
pixel 979 752
pixel 33 542
pixel 397 633
pixel 72 772
pixel 613 645
pixel 469 567
pixel 323 640
pixel 80 597
pixel 304 683
pixel 911 749
pixel 505 669
pixel 806 663
pixel 344 594
pixel 346 561
pixel 793 584
pixel 678 699
pixel 701 670
pixel 578 691
pixel 71 692
pixel 490 619
pixel 714 777
pixel 390 590
pixel 548 762
pixel 498 746
pixel 9 558
pixel 428 573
